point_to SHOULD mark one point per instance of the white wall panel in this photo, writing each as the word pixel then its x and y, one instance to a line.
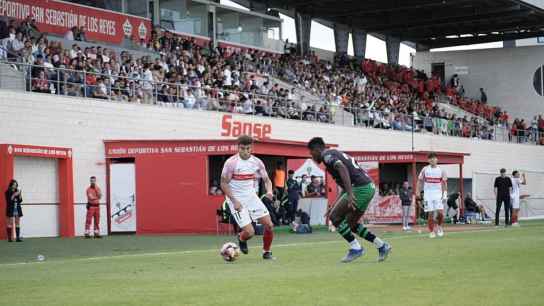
pixel 38 178
pixel 83 125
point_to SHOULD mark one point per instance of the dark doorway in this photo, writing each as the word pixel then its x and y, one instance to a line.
pixel 439 70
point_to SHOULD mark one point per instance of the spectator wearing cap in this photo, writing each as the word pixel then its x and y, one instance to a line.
pixel 503 189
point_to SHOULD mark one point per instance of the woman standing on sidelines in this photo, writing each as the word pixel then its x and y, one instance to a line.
pixel 13 211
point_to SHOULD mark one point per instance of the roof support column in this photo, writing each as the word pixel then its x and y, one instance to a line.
pixel 341 37
pixel 303 26
pixel 392 45
pixel 358 37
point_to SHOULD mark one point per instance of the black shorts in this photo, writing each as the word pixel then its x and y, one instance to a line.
pixel 10 210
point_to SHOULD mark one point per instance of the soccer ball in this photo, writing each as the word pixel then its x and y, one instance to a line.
pixel 230 251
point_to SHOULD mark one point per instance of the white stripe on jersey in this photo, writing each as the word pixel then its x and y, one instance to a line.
pixel 432 180
pixel 243 174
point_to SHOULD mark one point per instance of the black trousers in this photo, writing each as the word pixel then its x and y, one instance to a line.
pixel 280 191
pixel 507 210
pixel 293 206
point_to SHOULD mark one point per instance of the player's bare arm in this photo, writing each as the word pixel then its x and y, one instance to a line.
pixel 268 186
pixel 419 184
pixel 228 192
pixel 444 186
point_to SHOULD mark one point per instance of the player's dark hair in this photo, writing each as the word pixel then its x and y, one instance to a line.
pixel 432 155
pixel 291 171
pixel 93 177
pixel 514 172
pixel 13 182
pixel 316 142
pixel 503 170
pixel 245 140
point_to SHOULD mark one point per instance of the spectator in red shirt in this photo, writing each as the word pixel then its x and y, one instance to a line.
pixel 40 84
pixel 540 125
pixel 514 130
pixel 94 194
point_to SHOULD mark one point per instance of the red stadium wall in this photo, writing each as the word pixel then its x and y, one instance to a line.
pixel 57 17
pixel 172 180
pixel 172 195
pixel 8 152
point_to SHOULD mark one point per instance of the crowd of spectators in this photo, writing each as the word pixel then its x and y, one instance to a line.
pixel 522 131
pixel 184 73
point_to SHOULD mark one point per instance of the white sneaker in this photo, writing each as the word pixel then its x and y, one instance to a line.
pixel 432 235
pixel 440 232
pixel 515 224
pixel 408 228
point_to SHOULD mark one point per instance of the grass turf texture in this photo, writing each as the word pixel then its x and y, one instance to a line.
pixel 488 267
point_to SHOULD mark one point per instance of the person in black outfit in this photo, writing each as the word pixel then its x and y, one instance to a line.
pixel 226 216
pixel 406 195
pixel 452 204
pixel 472 206
pixel 294 191
pixel 13 210
pixel 503 188
pixel 483 96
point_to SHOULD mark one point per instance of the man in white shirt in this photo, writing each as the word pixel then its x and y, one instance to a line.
pixel 227 76
pixel 147 86
pixel 189 99
pixel 239 181
pixel 517 181
pixel 435 192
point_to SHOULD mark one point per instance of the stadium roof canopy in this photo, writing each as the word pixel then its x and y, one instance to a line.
pixel 430 23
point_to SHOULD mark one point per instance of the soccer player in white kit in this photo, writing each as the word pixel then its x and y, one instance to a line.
pixel 435 193
pixel 517 181
pixel 239 181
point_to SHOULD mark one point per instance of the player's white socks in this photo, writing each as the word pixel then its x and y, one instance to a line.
pixel 355 245
pixel 378 242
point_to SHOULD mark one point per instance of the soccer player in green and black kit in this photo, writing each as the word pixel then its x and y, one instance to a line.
pixel 358 191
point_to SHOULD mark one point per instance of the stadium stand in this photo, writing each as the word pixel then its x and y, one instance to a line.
pixel 175 71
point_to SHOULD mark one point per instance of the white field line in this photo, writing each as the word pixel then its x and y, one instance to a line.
pixel 339 240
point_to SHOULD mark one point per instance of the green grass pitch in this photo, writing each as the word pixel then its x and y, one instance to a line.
pixel 484 267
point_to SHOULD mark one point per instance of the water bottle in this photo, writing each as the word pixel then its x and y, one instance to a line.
pixel 52 88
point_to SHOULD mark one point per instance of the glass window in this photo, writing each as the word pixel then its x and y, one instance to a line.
pixel 241 28
pixel 112 5
pixel 138 8
pixel 184 16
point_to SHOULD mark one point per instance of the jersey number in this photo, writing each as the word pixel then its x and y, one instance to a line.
pixel 355 164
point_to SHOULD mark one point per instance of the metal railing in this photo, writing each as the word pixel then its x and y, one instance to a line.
pixel 81 83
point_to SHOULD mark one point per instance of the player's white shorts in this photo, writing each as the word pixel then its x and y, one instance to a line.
pixel 252 209
pixel 515 202
pixel 433 203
